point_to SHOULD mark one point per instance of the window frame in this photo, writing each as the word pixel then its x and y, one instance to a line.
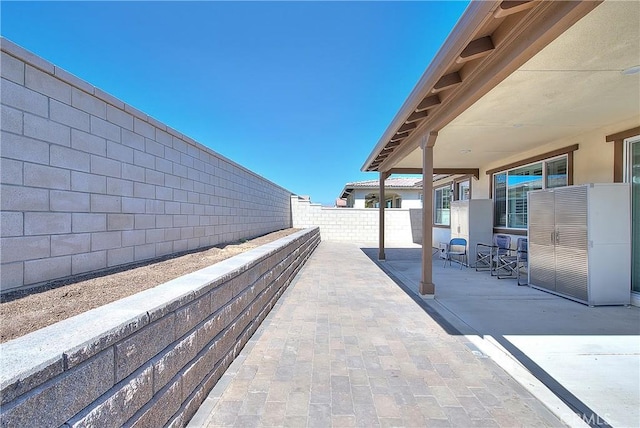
pixel 568 150
pixel 543 178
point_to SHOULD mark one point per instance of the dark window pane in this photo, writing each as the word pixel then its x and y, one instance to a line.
pixel 500 200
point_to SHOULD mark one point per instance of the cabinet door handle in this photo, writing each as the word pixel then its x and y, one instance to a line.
pixel 553 237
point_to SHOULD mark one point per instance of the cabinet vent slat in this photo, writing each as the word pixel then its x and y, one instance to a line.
pixel 572 209
pixel 572 273
pixel 542 266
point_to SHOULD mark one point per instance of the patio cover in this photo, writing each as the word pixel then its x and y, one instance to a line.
pixel 511 76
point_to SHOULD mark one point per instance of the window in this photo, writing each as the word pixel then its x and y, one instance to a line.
pixel 510 189
pixel 442 204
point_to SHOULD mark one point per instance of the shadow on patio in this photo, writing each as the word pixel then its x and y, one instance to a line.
pixel 589 357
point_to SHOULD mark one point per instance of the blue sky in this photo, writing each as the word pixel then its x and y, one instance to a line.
pixel 299 92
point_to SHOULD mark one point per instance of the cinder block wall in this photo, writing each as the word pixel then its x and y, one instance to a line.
pixel 89 182
pixel 402 226
pixel 153 357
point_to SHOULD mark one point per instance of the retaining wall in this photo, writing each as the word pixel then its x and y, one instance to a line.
pixel 402 225
pixel 148 360
pixel 89 182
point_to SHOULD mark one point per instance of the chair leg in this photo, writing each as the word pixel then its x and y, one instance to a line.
pixel 518 277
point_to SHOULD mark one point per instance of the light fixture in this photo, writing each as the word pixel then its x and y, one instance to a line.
pixel 631 70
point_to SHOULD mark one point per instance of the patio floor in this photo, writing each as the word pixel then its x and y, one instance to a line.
pixel 588 357
pixel 346 346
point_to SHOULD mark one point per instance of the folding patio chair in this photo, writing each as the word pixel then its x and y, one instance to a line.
pixel 457 247
pixel 510 265
pixel 486 255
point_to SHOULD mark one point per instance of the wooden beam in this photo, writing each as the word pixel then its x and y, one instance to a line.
pixel 445 171
pixel 407 127
pixel 509 7
pixel 458 171
pixel 416 116
pixel 405 170
pixel 476 49
pixel 447 81
pixel 428 102
pixel 397 138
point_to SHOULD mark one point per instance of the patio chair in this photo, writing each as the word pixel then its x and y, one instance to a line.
pixel 458 248
pixel 486 255
pixel 510 265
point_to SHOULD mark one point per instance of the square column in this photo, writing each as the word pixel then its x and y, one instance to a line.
pixel 381 198
pixel 427 287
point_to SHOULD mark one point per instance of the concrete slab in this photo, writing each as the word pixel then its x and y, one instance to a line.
pixel 588 356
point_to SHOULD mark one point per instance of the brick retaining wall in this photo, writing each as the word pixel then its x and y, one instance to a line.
pixel 89 182
pixel 148 360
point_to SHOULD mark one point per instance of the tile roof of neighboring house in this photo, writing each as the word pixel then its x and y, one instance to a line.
pixel 389 182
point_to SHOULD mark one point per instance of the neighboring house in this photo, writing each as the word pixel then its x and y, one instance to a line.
pixel 400 192
pixel 522 95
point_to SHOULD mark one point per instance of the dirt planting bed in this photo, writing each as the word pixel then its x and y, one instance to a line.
pixel 22 312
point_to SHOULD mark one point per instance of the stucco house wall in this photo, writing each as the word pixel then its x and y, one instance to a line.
pixel 592 163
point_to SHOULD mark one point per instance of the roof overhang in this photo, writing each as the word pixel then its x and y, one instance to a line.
pixel 498 84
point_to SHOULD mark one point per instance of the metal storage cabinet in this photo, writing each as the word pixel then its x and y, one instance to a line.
pixel 580 242
pixel 472 220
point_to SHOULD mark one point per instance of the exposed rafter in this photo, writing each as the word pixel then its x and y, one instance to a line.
pixel 476 49
pixel 417 116
pixel 509 7
pixel 447 81
pixel 407 127
pixel 428 102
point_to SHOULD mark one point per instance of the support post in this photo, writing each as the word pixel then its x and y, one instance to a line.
pixel 381 255
pixel 427 287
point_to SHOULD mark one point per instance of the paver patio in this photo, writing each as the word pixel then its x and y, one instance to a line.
pixel 345 346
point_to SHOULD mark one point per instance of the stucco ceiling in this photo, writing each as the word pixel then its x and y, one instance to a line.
pixel 572 86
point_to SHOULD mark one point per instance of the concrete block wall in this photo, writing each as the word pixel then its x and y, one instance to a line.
pixel 89 182
pixel 402 226
pixel 148 360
